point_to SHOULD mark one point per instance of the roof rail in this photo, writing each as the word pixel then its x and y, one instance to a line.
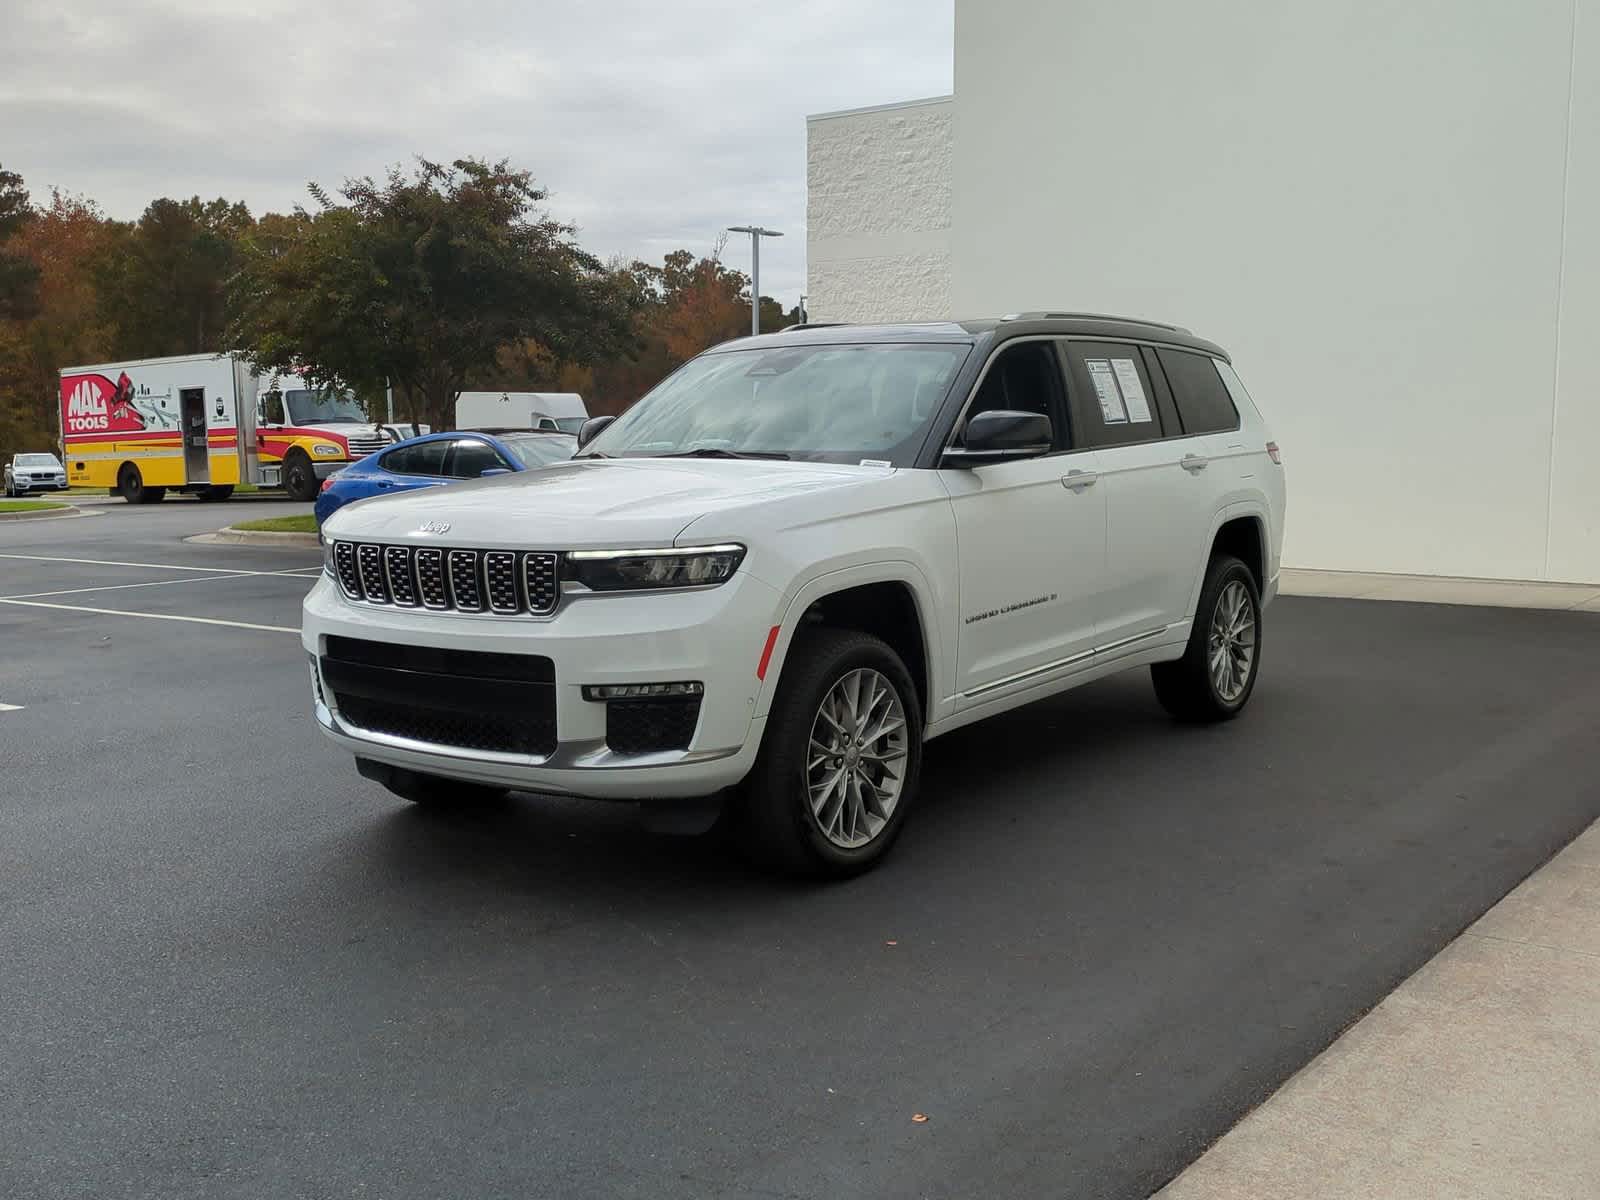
pixel 814 325
pixel 1088 316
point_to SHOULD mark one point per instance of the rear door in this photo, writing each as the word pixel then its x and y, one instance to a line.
pixel 1158 511
pixel 1030 540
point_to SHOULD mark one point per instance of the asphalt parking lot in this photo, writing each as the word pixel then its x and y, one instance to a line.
pixel 230 967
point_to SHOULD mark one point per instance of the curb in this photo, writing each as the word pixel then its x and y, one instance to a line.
pixel 255 537
pixel 45 514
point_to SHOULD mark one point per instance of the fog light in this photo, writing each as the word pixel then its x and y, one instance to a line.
pixel 640 691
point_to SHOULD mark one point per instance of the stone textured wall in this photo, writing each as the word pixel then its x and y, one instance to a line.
pixel 878 212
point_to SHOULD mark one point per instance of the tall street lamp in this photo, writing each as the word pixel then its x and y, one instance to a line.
pixel 756 234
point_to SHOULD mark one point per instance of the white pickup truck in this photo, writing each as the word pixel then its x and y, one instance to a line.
pixel 799 558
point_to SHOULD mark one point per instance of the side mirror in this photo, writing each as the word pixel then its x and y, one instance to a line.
pixel 488 471
pixel 591 429
pixel 1001 435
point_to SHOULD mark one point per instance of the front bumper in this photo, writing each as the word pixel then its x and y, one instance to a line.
pixel 40 485
pixel 324 467
pixel 714 636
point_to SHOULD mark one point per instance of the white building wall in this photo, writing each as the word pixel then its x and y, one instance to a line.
pixel 1389 213
pixel 878 212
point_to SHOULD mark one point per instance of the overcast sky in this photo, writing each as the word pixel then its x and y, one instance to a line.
pixel 653 124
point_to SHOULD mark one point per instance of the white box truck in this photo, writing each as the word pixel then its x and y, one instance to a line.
pixel 203 423
pixel 521 410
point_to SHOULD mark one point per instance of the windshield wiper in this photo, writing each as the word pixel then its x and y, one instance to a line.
pixel 592 454
pixel 719 452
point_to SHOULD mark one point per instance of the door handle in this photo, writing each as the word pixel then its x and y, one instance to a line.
pixel 1077 481
pixel 1194 463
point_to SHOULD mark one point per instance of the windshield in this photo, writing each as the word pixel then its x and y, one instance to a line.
pixel 325 407
pixel 821 403
pixel 37 460
pixel 541 449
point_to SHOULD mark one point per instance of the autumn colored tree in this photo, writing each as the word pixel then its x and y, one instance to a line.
pixel 162 281
pixel 61 242
pixel 19 276
pixel 421 280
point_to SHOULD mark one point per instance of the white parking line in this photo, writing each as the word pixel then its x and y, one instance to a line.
pixel 102 562
pixel 115 587
pixel 10 708
pixel 117 612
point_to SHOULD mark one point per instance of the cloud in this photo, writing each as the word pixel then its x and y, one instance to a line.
pixel 654 125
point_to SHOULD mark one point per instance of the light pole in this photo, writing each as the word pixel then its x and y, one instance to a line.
pixel 756 234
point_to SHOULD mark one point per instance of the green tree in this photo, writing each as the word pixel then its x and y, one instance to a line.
pixel 422 281
pixel 162 282
pixel 19 275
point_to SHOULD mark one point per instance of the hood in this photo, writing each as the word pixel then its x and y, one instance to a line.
pixel 595 503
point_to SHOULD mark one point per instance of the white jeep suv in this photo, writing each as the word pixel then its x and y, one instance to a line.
pixel 800 557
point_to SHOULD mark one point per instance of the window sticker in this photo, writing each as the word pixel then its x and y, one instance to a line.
pixel 1132 389
pixel 1105 387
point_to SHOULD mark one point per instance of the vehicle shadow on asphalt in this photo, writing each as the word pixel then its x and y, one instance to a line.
pixel 985 788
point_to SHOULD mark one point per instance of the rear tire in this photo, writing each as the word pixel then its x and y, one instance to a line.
pixel 431 791
pixel 788 816
pixel 299 479
pixel 131 485
pixel 1214 678
pixel 219 491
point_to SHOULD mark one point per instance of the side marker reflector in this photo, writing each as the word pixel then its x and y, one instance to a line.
pixel 766 652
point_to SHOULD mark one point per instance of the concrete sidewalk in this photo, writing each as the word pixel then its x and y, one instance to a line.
pixel 1439 589
pixel 1478 1077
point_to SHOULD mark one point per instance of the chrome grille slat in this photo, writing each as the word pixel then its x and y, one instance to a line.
pixel 361 447
pixel 397 570
pixel 344 562
pixel 500 573
pixel 466 580
pixel 499 582
pixel 430 578
pixel 541 585
pixel 369 561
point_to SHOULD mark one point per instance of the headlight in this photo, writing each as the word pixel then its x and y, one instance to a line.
pixel 323 450
pixel 639 570
pixel 327 557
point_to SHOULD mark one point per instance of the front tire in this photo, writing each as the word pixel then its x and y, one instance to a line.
pixel 134 489
pixel 299 479
pixel 1214 678
pixel 839 762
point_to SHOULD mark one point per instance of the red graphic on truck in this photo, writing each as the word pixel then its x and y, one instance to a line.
pixel 93 404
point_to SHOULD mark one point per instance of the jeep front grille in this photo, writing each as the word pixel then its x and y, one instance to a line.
pixel 502 582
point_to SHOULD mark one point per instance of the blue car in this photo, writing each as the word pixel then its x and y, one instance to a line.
pixel 439 458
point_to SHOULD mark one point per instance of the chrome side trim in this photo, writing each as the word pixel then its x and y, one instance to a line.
pixel 1030 673
pixel 1060 663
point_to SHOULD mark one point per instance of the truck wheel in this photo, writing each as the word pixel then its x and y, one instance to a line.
pixel 838 765
pixel 434 791
pixel 1217 673
pixel 132 486
pixel 219 491
pixel 299 480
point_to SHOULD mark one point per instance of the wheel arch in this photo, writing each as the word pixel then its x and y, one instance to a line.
pixel 891 601
pixel 1240 530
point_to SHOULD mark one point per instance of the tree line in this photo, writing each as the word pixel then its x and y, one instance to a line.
pixel 429 281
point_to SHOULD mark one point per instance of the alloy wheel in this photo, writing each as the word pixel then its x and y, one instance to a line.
pixel 856 758
pixel 1231 648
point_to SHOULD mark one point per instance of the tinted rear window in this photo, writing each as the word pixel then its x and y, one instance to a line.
pixel 422 458
pixel 1203 402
